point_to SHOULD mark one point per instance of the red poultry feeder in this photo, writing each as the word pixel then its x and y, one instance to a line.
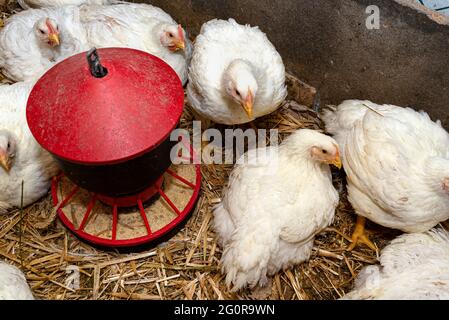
pixel 108 126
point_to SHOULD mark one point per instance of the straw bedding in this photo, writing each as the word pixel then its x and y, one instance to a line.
pixel 187 265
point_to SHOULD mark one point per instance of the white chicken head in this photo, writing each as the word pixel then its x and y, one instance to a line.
pixel 7 150
pixel 241 85
pixel 47 31
pixel 173 37
pixel 316 146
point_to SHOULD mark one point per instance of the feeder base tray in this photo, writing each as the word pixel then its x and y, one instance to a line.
pixel 129 221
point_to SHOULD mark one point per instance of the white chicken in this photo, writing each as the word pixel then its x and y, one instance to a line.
pixel 13 285
pixel 236 74
pixel 413 266
pixel 274 204
pixel 21 157
pixel 138 26
pixel 26 4
pixel 34 40
pixel 397 165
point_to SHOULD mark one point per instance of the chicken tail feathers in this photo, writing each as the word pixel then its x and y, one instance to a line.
pixel 223 224
pixel 343 117
pixel 238 274
pixel 245 260
pixel 329 116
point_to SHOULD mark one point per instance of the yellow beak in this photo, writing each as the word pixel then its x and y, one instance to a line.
pixel 53 39
pixel 180 45
pixel 177 45
pixel 248 104
pixel 337 162
pixel 5 163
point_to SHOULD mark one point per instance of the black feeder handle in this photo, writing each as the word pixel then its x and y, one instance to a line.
pixel 96 69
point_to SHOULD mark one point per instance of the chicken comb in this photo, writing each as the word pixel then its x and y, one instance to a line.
pixel 181 33
pixel 50 27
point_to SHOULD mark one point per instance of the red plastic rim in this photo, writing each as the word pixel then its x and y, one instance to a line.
pixel 181 213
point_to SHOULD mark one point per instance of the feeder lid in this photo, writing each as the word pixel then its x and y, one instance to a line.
pixel 82 113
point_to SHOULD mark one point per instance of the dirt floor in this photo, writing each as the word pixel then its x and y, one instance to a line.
pixel 187 265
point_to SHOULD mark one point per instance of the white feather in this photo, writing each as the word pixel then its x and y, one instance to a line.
pixel 23 57
pixel 413 266
pixel 13 285
pixel 273 206
pixel 219 44
pixel 58 3
pixel 396 160
pixel 32 165
pixel 134 26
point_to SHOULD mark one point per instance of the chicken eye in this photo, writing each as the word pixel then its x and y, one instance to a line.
pixel 237 92
pixel 324 151
pixel 41 31
pixel 170 35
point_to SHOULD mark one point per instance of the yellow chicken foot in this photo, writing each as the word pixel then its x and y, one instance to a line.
pixel 359 235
